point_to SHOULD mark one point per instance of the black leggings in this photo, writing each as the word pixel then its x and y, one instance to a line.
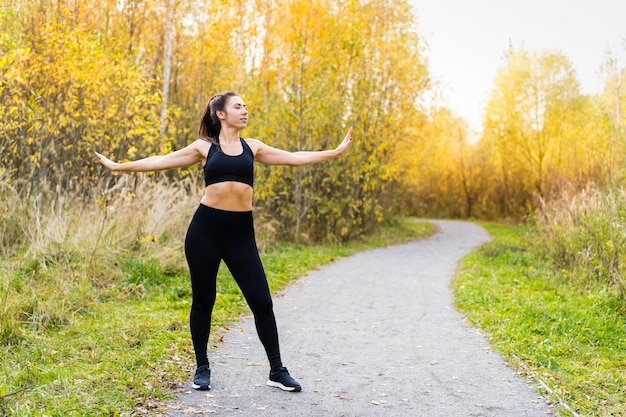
pixel 216 235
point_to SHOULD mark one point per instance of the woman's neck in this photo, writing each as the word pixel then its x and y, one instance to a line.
pixel 229 136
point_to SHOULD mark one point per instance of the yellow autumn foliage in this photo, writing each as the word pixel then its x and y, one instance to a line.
pixel 86 75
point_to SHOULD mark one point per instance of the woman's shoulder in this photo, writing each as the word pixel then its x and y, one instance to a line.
pixel 254 144
pixel 201 144
pixel 202 147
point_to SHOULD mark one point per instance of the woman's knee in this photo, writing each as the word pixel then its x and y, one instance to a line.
pixel 261 305
pixel 203 303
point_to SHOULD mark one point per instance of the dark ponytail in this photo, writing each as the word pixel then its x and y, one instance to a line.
pixel 209 123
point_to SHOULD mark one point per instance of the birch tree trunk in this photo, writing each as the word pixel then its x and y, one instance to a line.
pixel 167 65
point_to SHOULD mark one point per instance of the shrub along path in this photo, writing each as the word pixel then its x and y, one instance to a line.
pixel 374 334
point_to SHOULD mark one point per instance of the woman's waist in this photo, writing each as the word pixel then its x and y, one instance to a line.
pixel 227 222
pixel 228 196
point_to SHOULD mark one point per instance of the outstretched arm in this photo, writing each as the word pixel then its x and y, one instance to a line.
pixel 273 156
pixel 187 156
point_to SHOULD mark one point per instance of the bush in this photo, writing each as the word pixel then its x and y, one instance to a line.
pixel 585 233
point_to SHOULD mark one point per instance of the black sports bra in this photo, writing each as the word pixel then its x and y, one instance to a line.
pixel 220 167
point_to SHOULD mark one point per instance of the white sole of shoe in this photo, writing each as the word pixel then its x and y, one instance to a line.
pixel 281 386
pixel 200 387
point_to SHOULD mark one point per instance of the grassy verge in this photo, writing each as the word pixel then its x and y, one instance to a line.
pixel 121 348
pixel 567 335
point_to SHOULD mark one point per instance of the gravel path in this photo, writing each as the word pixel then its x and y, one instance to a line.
pixel 374 334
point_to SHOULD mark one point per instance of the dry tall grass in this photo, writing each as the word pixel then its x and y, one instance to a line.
pixel 66 249
pixel 585 232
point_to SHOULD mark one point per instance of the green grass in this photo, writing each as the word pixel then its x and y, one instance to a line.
pixel 119 350
pixel 565 333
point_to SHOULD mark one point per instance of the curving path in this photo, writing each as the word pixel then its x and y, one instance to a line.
pixel 374 334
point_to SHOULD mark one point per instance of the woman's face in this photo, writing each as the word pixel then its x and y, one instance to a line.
pixel 236 114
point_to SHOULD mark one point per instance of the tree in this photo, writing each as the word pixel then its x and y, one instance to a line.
pixel 525 121
pixel 131 78
pixel 327 66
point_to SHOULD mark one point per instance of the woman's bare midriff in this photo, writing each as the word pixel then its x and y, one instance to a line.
pixel 228 195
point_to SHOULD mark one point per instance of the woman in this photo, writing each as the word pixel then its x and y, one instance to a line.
pixel 222 226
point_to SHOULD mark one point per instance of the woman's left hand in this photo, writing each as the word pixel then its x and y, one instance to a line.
pixel 345 143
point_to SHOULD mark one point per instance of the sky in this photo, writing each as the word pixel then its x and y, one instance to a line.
pixel 466 40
